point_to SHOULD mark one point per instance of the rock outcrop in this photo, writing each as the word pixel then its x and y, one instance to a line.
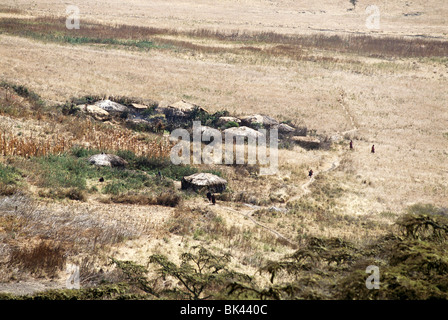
pixel 95 112
pixel 111 106
pixel 107 160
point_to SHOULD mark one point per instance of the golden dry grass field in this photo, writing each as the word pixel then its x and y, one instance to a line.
pixel 385 87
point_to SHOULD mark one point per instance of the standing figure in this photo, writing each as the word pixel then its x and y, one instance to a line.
pixel 310 173
pixel 209 196
pixel 373 149
pixel 213 199
pixel 351 144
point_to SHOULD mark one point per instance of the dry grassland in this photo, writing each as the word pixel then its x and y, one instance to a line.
pixel 396 100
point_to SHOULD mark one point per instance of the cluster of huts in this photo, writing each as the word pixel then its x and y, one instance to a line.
pixel 155 115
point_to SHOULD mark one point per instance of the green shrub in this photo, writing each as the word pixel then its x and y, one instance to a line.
pixel 115 188
pixel 76 194
pixel 61 171
pixel 80 152
pixel 231 124
pixel 88 99
pixel 10 180
pixel 154 165
pixel 413 264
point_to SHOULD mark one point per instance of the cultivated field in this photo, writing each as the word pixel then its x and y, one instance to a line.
pixel 310 64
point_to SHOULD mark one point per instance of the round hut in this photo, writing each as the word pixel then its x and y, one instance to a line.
pixel 204 182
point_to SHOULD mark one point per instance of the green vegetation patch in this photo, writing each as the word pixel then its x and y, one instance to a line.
pixel 10 179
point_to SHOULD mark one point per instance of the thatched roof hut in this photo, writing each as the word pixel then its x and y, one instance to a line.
pixel 205 182
pixel 284 128
pixel 224 120
pixel 266 121
pixel 242 132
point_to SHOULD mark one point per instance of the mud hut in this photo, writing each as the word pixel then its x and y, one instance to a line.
pixel 204 182
pixel 258 119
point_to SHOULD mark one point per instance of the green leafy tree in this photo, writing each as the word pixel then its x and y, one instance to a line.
pixel 201 274
pixel 136 275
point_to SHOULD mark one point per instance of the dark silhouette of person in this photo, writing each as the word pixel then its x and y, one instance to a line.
pixel 213 199
pixel 351 144
pixel 373 149
pixel 310 173
pixel 209 196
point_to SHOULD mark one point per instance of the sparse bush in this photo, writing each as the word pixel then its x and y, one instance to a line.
pixel 422 226
pixel 72 194
pixel 69 108
pixel 80 152
pixel 132 198
pixel 231 124
pixel 89 99
pixel 45 258
pixel 24 92
pixel 168 199
pixel 245 197
pixel 76 194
